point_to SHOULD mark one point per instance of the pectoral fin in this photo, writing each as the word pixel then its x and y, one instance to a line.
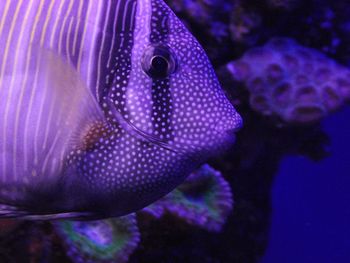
pixel 55 110
pixel 69 111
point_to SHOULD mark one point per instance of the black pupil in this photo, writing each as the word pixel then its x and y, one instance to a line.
pixel 159 64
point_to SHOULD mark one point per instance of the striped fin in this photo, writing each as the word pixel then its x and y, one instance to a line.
pixel 68 109
pixel 72 30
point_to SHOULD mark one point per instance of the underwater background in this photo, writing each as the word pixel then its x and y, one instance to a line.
pixel 284 64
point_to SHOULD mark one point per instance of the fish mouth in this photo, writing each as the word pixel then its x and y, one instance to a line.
pixel 229 123
pixel 227 141
pixel 226 132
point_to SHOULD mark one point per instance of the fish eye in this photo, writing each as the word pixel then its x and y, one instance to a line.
pixel 159 62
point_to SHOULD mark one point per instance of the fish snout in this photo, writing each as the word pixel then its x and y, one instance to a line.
pixel 230 122
pixel 230 125
pixel 225 129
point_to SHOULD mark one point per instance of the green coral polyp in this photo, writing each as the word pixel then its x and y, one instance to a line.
pixel 100 241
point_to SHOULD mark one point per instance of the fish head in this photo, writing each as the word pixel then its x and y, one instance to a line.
pixel 173 97
pixel 168 113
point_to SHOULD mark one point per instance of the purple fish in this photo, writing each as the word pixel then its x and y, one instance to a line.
pixel 105 106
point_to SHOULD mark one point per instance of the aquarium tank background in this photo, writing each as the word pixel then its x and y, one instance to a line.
pixel 281 192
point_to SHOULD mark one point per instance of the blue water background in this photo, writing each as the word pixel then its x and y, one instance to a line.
pixel 311 203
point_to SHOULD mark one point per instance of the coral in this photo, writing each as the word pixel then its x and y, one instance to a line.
pixel 226 29
pixel 242 23
pixel 204 200
pixel 283 4
pixel 110 240
pixel 210 14
pixel 297 84
pixel 156 209
pixel 202 10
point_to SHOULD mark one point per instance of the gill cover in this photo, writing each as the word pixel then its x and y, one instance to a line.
pixel 166 91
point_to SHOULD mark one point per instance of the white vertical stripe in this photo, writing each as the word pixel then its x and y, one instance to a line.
pixel 26 73
pixel 54 28
pixel 18 49
pixel 114 34
pixel 82 40
pixel 50 153
pixel 4 15
pixel 69 33
pixel 48 17
pixel 36 139
pixel 98 79
pixel 125 14
pixel 63 26
pixel 92 51
pixel 80 10
pixel 8 102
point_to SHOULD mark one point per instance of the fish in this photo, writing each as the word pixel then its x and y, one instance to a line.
pixel 105 107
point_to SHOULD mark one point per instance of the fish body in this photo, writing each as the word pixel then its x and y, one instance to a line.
pixel 105 106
